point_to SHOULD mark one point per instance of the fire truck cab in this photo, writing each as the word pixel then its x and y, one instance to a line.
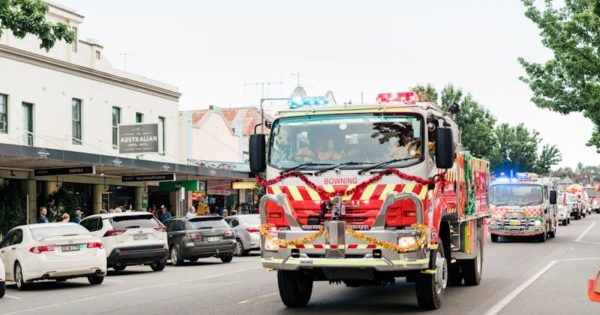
pixel 523 206
pixel 364 194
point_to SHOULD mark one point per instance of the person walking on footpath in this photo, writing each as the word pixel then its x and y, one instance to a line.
pixel 164 214
pixel 66 218
pixel 191 212
pixel 43 215
pixel 77 218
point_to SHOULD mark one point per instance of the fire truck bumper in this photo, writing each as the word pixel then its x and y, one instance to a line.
pixel 379 264
pixel 516 230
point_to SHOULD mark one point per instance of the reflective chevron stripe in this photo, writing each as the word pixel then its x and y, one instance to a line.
pixel 371 192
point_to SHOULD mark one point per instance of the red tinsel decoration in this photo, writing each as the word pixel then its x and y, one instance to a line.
pixel 359 187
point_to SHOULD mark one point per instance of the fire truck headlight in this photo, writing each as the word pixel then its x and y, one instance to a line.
pixel 272 245
pixel 537 223
pixel 407 241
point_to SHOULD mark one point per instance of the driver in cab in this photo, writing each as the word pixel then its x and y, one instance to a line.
pixel 324 152
pixel 406 147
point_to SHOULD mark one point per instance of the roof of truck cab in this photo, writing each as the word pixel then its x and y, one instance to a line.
pixel 419 107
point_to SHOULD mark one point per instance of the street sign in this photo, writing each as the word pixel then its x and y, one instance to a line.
pixel 138 138
pixel 188 185
pixel 147 177
pixel 64 171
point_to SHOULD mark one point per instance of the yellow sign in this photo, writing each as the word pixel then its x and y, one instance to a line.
pixel 243 185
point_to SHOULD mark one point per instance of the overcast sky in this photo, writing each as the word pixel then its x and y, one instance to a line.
pixel 214 51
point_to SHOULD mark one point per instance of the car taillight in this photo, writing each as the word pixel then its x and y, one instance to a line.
pixel 41 249
pixel 228 233
pixel 190 236
pixel 160 228
pixel 252 230
pixel 97 245
pixel 114 232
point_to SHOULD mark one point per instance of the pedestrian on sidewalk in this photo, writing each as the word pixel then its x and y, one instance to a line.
pixel 66 218
pixel 191 212
pixel 77 218
pixel 164 214
pixel 43 215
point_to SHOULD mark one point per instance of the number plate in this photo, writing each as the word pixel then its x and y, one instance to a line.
pixel 213 238
pixel 140 237
pixel 70 248
pixel 514 222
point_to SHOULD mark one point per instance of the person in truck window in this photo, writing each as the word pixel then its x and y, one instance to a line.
pixel 304 153
pixel 325 152
pixel 406 147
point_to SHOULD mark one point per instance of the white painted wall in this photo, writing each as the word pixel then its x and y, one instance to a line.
pixel 212 140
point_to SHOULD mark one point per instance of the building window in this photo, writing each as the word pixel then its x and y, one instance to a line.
pixel 74 43
pixel 116 120
pixel 3 113
pixel 76 120
pixel 98 54
pixel 27 123
pixel 162 147
pixel 139 118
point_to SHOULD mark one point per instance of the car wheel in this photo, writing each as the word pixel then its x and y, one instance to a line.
pixel 119 267
pixel 568 220
pixel 95 279
pixel 239 248
pixel 20 282
pixel 227 259
pixel 175 257
pixel 158 266
pixel 494 238
pixel 543 237
pixel 2 288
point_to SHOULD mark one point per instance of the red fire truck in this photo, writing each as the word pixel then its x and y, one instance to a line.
pixel 365 194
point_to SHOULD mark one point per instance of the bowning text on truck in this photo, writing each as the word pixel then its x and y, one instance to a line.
pixel 523 207
pixel 364 194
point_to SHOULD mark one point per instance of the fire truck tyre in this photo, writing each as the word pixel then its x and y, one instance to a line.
pixel 552 233
pixel 430 286
pixel 295 287
pixel 471 268
pixel 494 238
pixel 577 216
pixel 568 220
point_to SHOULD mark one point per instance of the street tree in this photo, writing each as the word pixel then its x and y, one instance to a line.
pixel 569 82
pixel 549 157
pixel 517 149
pixel 23 17
pixel 427 93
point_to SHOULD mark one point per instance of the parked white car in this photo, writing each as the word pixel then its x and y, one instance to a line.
pixel 563 214
pixel 130 238
pixel 52 251
pixel 2 280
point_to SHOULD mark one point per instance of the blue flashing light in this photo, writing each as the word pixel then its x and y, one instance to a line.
pixel 301 101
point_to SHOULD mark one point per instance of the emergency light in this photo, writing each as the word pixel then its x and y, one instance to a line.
pixel 404 97
pixel 301 101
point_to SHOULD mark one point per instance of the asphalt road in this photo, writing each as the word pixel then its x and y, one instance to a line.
pixel 519 277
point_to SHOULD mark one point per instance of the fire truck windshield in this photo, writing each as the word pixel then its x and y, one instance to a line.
pixel 346 140
pixel 516 195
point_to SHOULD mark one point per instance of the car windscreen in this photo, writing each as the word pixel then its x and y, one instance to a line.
pixel 134 222
pixel 252 220
pixel 52 230
pixel 516 195
pixel 208 223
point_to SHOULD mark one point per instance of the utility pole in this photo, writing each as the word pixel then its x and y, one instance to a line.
pixel 297 75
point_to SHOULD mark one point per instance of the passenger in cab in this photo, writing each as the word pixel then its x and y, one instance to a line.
pixel 325 151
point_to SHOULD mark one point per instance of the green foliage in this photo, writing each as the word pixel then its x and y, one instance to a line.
pixel 427 93
pixel 517 148
pixel 550 156
pixel 570 81
pixel 24 17
pixel 12 212
pixel 60 202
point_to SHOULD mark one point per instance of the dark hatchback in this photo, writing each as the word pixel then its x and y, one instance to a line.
pixel 200 237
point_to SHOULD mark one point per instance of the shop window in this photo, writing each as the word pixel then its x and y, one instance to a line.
pixel 3 113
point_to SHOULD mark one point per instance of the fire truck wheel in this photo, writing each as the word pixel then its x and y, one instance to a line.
pixel 430 286
pixel 494 238
pixel 295 287
pixel 471 268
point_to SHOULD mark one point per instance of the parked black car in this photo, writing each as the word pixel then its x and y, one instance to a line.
pixel 200 237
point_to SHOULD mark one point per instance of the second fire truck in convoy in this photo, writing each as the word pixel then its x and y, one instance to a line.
pixel 364 194
pixel 522 206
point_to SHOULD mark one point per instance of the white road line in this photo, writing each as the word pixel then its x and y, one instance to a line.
pixel 578 259
pixel 258 298
pixel 13 297
pixel 39 308
pixel 585 231
pixel 513 294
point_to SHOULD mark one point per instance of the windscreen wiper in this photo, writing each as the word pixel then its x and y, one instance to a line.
pixel 364 170
pixel 531 203
pixel 321 171
pixel 303 165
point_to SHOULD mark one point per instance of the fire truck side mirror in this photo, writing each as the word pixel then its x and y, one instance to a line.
pixel 257 153
pixel 444 147
pixel 553 197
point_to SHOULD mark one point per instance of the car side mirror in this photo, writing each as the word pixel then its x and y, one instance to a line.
pixel 257 153
pixel 553 197
pixel 444 147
